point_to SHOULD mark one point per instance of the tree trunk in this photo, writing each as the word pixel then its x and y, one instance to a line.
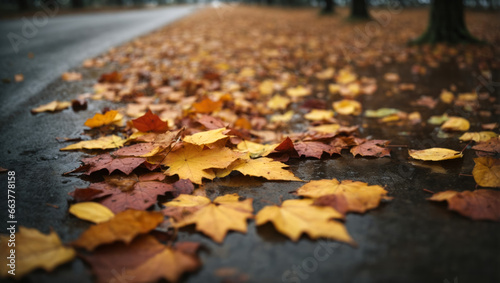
pixel 329 7
pixel 446 24
pixel 359 10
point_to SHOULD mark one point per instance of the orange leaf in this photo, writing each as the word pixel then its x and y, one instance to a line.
pixel 150 122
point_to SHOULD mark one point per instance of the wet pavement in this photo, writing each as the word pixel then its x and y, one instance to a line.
pixel 406 240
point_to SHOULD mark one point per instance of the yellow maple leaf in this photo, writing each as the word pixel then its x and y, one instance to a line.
pixel 256 149
pixel 260 167
pixel 334 88
pixel 359 196
pixel 194 163
pixel 319 115
pixel 91 211
pixel 52 106
pixel 299 91
pixel 456 124
pixel 326 74
pixel 107 142
pixel 215 218
pixel 347 107
pixel 108 118
pixel 478 136
pixel 207 137
pixel 486 172
pixel 434 154
pixel 34 250
pixel 278 102
pixel 295 217
pixel 266 87
pixel 345 76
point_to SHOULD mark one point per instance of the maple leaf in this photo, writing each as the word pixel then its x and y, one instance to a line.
pixel 168 264
pixel 477 205
pixel 52 106
pixel 207 106
pixel 150 122
pixel 211 123
pixel 110 263
pixel 313 149
pixel 139 150
pixel 130 193
pixel 124 227
pixel 372 148
pixel 456 124
pixel 34 250
pixel 88 194
pixel 107 142
pixel 434 154
pixel 259 167
pixel 108 118
pixel 71 76
pixel 486 172
pixel 106 161
pixel 91 211
pixel 478 136
pixel 295 217
pixel 207 137
pixel 327 128
pixel 215 218
pixel 194 163
pixel 359 196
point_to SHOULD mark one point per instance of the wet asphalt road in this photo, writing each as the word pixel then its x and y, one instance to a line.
pixel 59 43
pixel 406 240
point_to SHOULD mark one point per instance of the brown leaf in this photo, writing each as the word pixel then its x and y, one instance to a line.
pixel 111 262
pixel 150 122
pixel 372 148
pixel 477 205
pixel 124 227
pixel 313 149
pixel 106 161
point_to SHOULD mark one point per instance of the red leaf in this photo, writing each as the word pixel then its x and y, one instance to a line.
pixel 106 161
pixel 150 122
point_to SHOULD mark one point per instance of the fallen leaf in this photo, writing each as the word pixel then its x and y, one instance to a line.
pixel 319 115
pixel 456 124
pixel 18 78
pixel 313 149
pixel 71 76
pixel 299 91
pixel 295 217
pixel 207 106
pixel 372 148
pixel 438 120
pixel 110 262
pixel 347 107
pixel 278 102
pixel 492 145
pixel 478 136
pixel 477 205
pixel 486 172
pixel 380 113
pixel 124 227
pixel 108 118
pixel 446 96
pixel 434 154
pixel 168 264
pixel 194 163
pixel 359 196
pixel 34 250
pixel 150 122
pixel 215 218
pixel 106 161
pixel 260 167
pixel 91 211
pixel 52 106
pixel 207 137
pixel 107 142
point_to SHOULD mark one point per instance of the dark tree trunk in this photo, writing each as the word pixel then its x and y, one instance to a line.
pixel 329 7
pixel 446 24
pixel 359 10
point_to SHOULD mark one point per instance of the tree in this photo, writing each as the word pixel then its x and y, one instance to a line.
pixel 329 7
pixel 446 24
pixel 359 10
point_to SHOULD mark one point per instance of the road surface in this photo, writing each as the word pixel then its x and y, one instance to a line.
pixel 59 43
